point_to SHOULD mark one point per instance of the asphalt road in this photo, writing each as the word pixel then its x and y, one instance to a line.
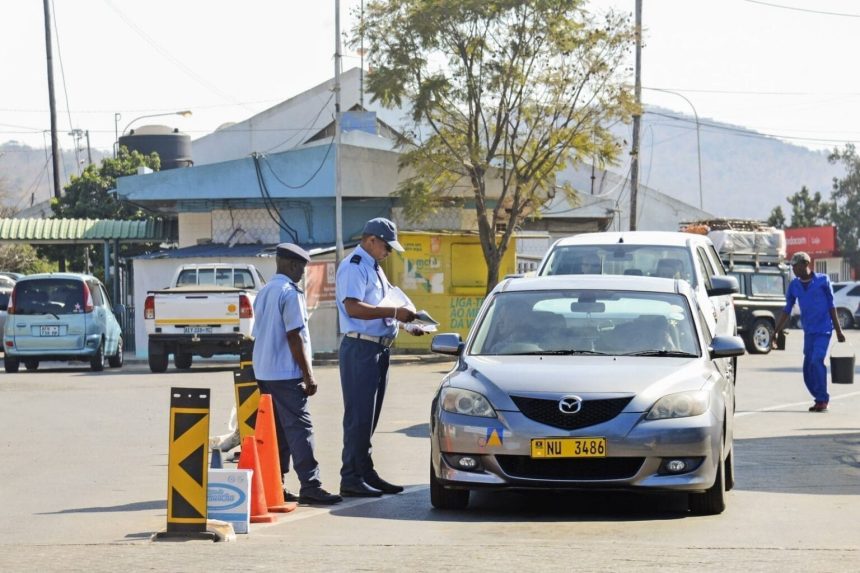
pixel 84 478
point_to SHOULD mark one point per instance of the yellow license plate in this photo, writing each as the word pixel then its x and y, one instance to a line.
pixel 569 448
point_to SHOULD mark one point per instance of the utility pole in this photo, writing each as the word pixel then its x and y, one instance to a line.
pixel 55 151
pixel 89 151
pixel 637 117
pixel 338 201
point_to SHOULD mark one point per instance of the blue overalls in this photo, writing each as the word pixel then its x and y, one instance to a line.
pixel 815 299
pixel 364 358
pixel 280 308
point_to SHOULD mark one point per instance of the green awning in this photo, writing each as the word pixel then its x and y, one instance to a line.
pixel 87 231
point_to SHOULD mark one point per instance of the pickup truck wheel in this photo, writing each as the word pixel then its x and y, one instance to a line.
pixel 97 362
pixel 157 358
pixel 11 365
pixel 760 337
pixel 182 360
pixel 116 360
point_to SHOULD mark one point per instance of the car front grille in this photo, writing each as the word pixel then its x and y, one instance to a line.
pixel 570 469
pixel 592 411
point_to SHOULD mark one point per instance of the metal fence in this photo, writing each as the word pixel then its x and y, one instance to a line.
pixel 125 314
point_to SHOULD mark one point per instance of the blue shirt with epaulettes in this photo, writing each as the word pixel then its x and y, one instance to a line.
pixel 359 276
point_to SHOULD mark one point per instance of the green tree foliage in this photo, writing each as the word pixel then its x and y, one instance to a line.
pixel 846 203
pixel 89 196
pixel 776 218
pixel 809 210
pixel 503 95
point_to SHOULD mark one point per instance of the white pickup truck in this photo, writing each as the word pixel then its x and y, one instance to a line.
pixel 208 310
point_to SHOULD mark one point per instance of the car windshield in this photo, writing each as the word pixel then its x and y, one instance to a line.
pixel 595 322
pixel 622 259
pixel 49 296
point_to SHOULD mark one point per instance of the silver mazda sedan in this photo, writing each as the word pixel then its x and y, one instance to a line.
pixel 584 382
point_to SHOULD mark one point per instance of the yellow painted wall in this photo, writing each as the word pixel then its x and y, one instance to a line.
pixel 444 274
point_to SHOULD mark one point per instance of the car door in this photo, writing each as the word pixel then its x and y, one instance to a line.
pixel 113 329
pixel 97 316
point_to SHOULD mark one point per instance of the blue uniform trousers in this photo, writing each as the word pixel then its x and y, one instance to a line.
pixel 294 429
pixel 814 369
pixel 363 378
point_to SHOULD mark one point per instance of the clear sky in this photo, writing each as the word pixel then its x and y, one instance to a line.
pixel 773 66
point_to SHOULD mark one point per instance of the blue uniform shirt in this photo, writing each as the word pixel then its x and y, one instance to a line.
pixel 361 278
pixel 279 308
pixel 815 300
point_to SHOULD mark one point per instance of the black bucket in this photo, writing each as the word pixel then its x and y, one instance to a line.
pixel 842 369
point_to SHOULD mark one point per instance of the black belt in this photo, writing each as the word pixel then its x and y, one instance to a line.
pixel 385 341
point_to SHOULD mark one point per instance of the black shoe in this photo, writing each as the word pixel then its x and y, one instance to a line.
pixel 290 496
pixel 382 485
pixel 360 490
pixel 318 496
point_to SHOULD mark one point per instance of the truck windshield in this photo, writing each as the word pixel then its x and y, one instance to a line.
pixel 223 277
pixel 622 259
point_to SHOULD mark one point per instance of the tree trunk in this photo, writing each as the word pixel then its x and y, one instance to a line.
pixel 493 270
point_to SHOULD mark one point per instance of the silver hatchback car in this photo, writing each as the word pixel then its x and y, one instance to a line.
pixel 61 316
pixel 584 382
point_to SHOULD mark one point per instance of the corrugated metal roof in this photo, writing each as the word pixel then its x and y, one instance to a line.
pixel 87 230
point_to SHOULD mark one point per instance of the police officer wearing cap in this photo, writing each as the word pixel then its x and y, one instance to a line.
pixel 368 333
pixel 282 366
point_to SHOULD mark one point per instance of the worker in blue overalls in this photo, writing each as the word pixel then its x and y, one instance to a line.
pixel 812 291
pixel 368 331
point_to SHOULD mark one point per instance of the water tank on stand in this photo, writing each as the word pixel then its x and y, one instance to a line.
pixel 172 146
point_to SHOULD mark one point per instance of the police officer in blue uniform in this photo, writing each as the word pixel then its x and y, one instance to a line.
pixel 368 331
pixel 282 366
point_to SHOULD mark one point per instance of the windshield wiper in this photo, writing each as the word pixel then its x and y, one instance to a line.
pixel 672 353
pixel 52 314
pixel 572 351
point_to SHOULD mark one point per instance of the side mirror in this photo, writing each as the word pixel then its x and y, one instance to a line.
pixel 723 285
pixel 726 347
pixel 447 343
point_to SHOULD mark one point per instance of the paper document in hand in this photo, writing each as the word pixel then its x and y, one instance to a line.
pixel 414 327
pixel 396 297
pixel 423 316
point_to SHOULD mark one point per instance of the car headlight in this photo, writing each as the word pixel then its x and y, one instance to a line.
pixel 681 405
pixel 460 401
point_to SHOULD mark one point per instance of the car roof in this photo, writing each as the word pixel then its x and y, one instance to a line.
pixel 603 282
pixel 73 276
pixel 191 266
pixel 668 238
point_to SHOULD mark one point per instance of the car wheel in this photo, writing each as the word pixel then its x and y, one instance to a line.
pixel 712 501
pixel 97 362
pixel 31 365
pixel 760 339
pixel 846 319
pixel 11 365
pixel 729 470
pixel 182 360
pixel 116 360
pixel 442 498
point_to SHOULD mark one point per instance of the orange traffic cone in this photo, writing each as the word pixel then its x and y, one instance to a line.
pixel 267 446
pixel 249 460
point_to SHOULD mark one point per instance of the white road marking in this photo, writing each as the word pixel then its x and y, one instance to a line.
pixel 792 405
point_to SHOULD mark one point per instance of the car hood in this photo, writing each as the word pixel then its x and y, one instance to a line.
pixel 590 377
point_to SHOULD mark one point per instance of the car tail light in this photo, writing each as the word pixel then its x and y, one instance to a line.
pixel 88 299
pixel 149 308
pixel 245 308
pixel 10 309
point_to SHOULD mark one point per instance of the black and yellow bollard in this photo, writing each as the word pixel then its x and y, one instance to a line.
pixel 247 400
pixel 187 476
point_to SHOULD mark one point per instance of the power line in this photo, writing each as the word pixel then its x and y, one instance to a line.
pixel 807 10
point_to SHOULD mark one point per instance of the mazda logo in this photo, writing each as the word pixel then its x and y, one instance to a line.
pixel 570 404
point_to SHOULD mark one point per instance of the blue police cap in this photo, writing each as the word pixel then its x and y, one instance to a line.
pixel 385 230
pixel 291 251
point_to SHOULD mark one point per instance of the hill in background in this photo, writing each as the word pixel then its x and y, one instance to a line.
pixel 25 173
pixel 744 174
